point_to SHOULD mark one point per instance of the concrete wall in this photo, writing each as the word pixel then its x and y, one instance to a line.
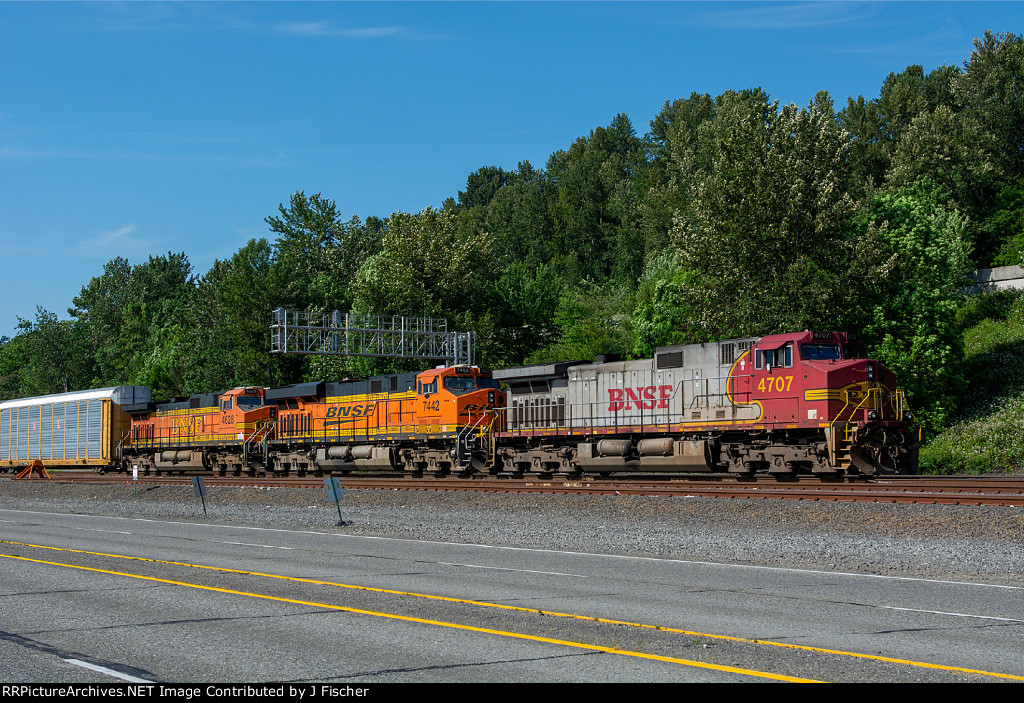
pixel 1002 278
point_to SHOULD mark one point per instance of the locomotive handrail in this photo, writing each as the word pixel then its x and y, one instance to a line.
pixel 264 431
pixel 878 396
pixel 483 432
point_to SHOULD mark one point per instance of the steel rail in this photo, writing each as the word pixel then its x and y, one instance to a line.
pixel 1005 491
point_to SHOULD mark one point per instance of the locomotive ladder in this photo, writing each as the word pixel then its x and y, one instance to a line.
pixel 470 437
pixel 257 438
pixel 843 431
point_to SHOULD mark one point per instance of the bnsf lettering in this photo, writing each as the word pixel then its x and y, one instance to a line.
pixel 641 398
pixel 360 410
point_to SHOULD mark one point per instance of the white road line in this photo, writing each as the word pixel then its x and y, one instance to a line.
pixel 246 544
pixel 955 615
pixel 539 551
pixel 90 529
pixel 108 672
pixel 501 568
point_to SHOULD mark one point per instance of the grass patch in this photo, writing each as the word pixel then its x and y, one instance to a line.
pixel 988 434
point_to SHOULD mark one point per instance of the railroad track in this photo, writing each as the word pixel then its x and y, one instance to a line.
pixel 1004 491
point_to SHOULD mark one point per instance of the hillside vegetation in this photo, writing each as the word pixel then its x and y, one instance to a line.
pixel 989 436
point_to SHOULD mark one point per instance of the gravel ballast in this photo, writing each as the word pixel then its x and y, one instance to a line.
pixel 975 543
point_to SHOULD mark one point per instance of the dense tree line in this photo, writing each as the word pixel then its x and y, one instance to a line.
pixel 733 215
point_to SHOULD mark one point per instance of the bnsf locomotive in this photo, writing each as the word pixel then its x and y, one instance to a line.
pixel 436 421
pixel 810 402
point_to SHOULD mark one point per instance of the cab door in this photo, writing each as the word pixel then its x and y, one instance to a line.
pixel 776 384
pixel 428 405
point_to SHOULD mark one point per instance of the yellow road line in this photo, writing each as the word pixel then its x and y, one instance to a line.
pixel 439 623
pixel 550 613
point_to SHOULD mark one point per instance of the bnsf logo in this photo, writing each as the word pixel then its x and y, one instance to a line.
pixel 351 410
pixel 641 398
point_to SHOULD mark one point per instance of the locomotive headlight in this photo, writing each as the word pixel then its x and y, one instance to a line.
pixel 873 415
pixel 871 371
pixel 490 396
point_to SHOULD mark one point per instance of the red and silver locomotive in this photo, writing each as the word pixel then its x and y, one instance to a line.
pixel 809 402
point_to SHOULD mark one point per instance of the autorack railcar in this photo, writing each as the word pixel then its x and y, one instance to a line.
pixel 81 428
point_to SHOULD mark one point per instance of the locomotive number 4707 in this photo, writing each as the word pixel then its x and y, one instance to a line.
pixel 776 384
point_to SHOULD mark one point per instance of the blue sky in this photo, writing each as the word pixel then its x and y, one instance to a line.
pixel 130 129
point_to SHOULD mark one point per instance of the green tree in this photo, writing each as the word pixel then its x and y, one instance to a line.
pixel 519 219
pixel 317 255
pixel 682 148
pixel 1006 225
pixel 949 149
pixel 53 352
pixel 482 185
pixel 100 309
pixel 594 207
pixel 876 126
pixel 232 309
pixel 522 315
pixel 122 312
pixel 660 315
pixel 428 265
pixel 992 88
pixel 591 320
pixel 766 236
pixel 15 357
pixel 916 292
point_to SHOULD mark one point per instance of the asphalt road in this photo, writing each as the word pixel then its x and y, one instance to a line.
pixel 167 601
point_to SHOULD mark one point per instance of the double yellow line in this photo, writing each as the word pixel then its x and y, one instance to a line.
pixel 503 633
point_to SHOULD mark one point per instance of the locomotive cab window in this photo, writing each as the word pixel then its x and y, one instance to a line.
pixel 426 388
pixel 225 404
pixel 774 358
pixel 248 402
pixel 459 384
pixel 818 351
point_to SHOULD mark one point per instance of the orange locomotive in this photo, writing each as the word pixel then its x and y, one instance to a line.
pixel 438 420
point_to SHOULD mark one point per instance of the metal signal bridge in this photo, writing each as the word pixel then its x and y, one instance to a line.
pixel 346 334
